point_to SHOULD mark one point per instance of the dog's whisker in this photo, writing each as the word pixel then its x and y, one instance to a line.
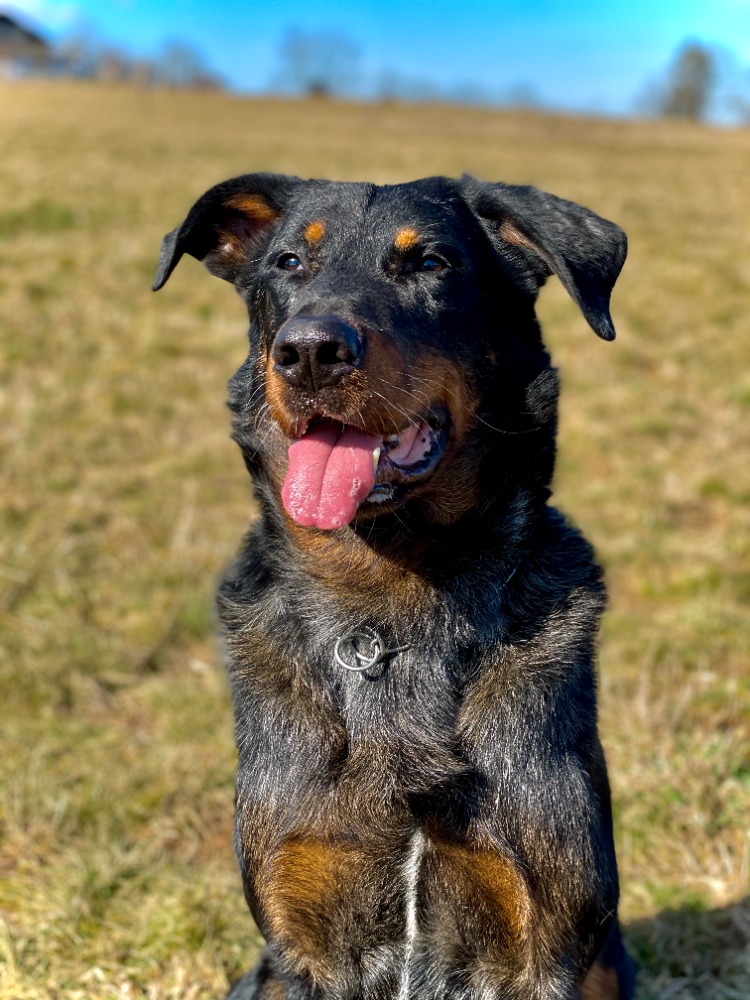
pixel 500 430
pixel 417 394
pixel 422 400
pixel 390 403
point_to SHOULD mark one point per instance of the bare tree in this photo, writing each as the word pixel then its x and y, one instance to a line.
pixel 114 66
pixel 86 56
pixel 317 63
pixel 470 93
pixel 391 86
pixel 691 83
pixel 180 65
pixel 79 55
pixel 523 97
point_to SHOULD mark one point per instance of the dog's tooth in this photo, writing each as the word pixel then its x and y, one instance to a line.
pixel 391 439
pixel 375 458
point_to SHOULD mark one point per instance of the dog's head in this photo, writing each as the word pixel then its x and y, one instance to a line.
pixel 395 358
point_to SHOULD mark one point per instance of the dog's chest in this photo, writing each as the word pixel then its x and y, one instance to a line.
pixel 403 722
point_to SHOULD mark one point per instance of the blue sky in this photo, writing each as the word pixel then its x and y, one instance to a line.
pixel 585 55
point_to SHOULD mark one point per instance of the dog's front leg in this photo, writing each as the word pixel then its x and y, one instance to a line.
pixel 323 864
pixel 521 884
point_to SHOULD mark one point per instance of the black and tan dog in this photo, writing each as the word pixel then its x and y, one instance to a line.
pixel 422 801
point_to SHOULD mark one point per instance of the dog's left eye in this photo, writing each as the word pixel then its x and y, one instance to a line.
pixel 289 262
pixel 433 263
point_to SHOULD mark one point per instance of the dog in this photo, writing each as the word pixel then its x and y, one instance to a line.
pixel 422 802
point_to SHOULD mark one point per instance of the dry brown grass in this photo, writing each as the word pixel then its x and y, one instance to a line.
pixel 123 497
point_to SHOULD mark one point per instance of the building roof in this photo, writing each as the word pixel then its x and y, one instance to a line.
pixel 16 40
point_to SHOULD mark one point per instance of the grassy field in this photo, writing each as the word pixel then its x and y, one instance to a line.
pixel 123 497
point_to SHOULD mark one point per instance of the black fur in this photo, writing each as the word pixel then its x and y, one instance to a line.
pixel 440 825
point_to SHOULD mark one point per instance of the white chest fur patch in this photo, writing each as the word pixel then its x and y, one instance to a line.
pixel 411 870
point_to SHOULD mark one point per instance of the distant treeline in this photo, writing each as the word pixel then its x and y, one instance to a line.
pixel 701 82
pixel 176 65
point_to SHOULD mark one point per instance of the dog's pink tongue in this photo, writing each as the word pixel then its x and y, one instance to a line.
pixel 330 474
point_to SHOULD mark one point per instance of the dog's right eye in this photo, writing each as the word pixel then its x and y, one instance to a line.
pixel 289 262
pixel 433 263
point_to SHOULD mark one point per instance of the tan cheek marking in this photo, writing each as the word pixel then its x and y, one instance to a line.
pixel 314 232
pixel 254 206
pixel 406 239
pixel 276 397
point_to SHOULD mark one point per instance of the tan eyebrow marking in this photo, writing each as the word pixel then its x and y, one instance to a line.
pixel 315 231
pixel 254 206
pixel 406 238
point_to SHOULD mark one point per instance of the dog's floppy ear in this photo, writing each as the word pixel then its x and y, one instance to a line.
pixel 585 251
pixel 225 224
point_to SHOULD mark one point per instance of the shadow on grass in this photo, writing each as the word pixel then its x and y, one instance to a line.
pixel 693 954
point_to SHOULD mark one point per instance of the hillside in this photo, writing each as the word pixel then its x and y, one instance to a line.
pixel 123 497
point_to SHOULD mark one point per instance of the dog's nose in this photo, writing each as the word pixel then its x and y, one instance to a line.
pixel 315 352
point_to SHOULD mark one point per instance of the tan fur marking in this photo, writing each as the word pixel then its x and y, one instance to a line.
pixel 300 883
pixel 273 989
pixel 406 239
pixel 601 984
pixel 510 234
pixel 254 206
pixel 306 889
pixel 445 381
pixel 230 248
pixel 276 395
pixel 314 232
pixel 499 881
